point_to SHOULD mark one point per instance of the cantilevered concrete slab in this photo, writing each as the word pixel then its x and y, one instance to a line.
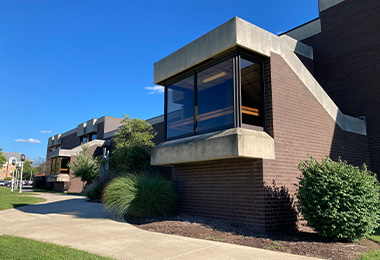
pixel 238 32
pixel 76 150
pixel 231 143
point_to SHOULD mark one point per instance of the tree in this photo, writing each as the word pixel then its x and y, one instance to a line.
pixel 133 144
pixel 3 160
pixel 86 167
pixel 28 169
pixel 43 167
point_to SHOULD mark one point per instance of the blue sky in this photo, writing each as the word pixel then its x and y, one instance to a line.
pixel 64 62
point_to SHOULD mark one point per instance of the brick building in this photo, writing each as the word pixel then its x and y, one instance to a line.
pixel 244 106
pixel 63 148
pixel 7 169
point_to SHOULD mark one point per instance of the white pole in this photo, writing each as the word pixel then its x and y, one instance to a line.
pixel 22 168
pixel 16 179
pixel 13 179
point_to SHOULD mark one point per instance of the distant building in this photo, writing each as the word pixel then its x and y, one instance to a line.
pixel 63 148
pixel 7 169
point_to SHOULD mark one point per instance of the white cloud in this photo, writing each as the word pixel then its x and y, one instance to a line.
pixel 45 131
pixel 155 90
pixel 30 140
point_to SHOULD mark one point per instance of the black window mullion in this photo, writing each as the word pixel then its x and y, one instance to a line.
pixel 166 112
pixel 237 91
pixel 195 103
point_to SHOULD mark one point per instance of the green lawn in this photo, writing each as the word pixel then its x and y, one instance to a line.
pixel 21 248
pixel 373 255
pixel 376 236
pixel 15 199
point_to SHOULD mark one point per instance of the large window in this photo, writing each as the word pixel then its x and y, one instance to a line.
pixel 251 92
pixel 180 108
pixel 216 96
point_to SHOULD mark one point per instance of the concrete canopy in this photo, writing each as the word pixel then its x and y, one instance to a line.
pixel 231 143
pixel 238 32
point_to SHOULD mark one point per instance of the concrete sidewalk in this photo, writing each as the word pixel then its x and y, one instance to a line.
pixel 72 221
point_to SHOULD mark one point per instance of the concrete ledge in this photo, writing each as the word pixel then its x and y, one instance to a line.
pixel 326 4
pixel 231 143
pixel 306 30
pixel 58 178
pixel 76 150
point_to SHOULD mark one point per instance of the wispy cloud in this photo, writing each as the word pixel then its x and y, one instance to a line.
pixel 155 90
pixel 45 131
pixel 30 140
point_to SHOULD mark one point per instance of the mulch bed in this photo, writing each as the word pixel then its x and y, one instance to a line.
pixel 304 242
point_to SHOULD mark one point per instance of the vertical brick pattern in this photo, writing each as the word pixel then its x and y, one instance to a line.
pixel 301 126
pixel 347 63
pixel 229 189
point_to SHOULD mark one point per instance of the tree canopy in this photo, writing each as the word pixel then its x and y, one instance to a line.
pixel 3 160
pixel 86 167
pixel 133 143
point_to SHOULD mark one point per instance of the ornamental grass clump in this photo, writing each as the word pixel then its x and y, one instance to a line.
pixel 338 200
pixel 139 195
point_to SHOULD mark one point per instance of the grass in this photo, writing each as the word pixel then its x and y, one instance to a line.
pixel 376 253
pixel 21 248
pixel 15 199
pixel 376 236
pixel 373 255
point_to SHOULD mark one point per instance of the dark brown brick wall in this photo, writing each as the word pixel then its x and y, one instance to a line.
pixel 70 141
pixel 242 190
pixel 347 63
pixel 159 128
pixel 100 130
pixel 301 127
pixel 229 189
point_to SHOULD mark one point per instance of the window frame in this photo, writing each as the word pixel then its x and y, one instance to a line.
pixel 235 54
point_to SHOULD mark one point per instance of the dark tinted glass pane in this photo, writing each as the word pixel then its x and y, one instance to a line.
pixel 251 92
pixel 180 108
pixel 215 96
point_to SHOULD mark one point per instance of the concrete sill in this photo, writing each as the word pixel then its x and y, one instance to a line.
pixel 231 143
pixel 58 178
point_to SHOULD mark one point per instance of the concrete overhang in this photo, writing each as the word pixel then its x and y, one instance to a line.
pixel 58 178
pixel 76 150
pixel 238 32
pixel 231 143
pixel 235 32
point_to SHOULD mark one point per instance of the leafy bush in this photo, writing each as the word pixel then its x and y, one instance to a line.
pixel 141 195
pixel 133 143
pixel 86 167
pixel 94 191
pixel 338 200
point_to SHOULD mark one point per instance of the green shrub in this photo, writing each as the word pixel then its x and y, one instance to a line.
pixel 133 143
pixel 338 200
pixel 142 195
pixel 86 166
pixel 94 190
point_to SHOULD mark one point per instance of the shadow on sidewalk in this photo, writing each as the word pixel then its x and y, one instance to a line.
pixel 78 207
